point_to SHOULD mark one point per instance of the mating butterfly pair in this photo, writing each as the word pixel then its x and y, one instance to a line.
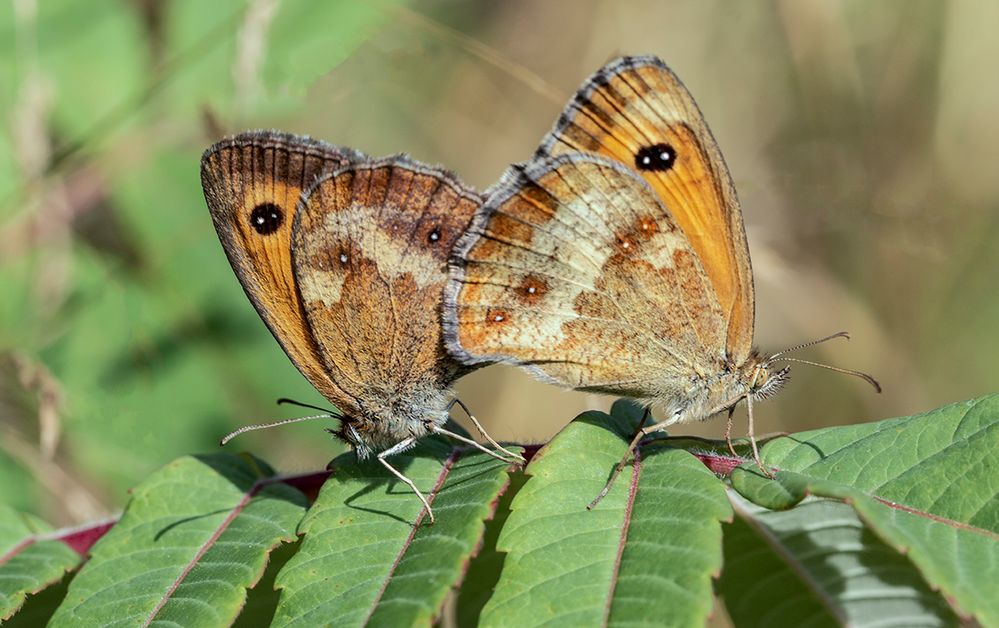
pixel 614 260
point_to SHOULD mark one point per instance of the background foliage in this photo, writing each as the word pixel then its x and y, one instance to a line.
pixel 861 137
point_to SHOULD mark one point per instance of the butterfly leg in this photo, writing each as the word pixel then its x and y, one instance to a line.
pixel 752 438
pixel 728 432
pixel 469 441
pixel 516 457
pixel 639 433
pixel 401 446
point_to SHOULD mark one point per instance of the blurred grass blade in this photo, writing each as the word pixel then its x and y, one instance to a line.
pixel 927 485
pixel 193 538
pixel 28 561
pixel 297 56
pixel 648 550
pixel 811 565
pixel 363 562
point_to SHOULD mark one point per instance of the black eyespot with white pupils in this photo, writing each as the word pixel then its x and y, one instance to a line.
pixel 266 218
pixel 434 236
pixel 659 157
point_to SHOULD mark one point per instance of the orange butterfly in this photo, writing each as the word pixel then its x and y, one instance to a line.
pixel 345 259
pixel 615 260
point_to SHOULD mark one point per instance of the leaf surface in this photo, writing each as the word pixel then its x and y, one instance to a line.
pixel 645 554
pixel 362 560
pixel 818 564
pixel 927 485
pixel 195 535
pixel 29 561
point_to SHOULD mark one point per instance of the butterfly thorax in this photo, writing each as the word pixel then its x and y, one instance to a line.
pixel 386 417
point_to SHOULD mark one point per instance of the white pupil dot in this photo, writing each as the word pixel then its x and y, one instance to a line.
pixel 664 155
pixel 343 258
pixel 498 318
pixel 532 290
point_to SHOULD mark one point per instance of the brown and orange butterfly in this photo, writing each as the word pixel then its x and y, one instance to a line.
pixel 615 260
pixel 345 259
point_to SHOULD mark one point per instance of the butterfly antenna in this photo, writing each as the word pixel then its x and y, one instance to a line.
pixel 840 334
pixel 284 400
pixel 805 345
pixel 864 376
pixel 263 426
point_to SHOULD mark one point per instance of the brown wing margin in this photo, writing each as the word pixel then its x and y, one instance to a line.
pixel 637 102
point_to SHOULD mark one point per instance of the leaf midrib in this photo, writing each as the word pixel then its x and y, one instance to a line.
pixel 636 472
pixel 789 559
pixel 206 546
pixel 441 477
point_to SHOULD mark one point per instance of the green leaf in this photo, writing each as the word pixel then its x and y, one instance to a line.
pixel 29 560
pixel 362 559
pixel 961 561
pixel 648 550
pixel 818 564
pixel 943 461
pixel 39 608
pixel 926 485
pixel 194 536
pixel 262 599
pixel 780 495
pixel 486 567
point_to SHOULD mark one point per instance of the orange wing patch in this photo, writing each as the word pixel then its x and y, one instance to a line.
pixel 253 183
pixel 637 112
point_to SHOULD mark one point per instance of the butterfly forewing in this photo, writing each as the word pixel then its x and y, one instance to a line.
pixel 370 246
pixel 253 183
pixel 636 111
pixel 574 268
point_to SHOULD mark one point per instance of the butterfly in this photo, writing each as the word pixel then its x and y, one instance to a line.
pixel 345 259
pixel 615 260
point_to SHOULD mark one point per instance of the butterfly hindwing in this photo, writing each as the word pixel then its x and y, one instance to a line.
pixel 574 268
pixel 370 248
pixel 253 183
pixel 636 111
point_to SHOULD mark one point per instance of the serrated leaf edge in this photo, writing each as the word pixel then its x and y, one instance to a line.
pixel 210 542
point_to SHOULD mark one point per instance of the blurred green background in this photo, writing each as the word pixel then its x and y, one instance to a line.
pixel 863 138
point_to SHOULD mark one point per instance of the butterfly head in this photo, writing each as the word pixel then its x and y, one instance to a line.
pixel 764 381
pixel 709 394
pixel 756 379
pixel 385 417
